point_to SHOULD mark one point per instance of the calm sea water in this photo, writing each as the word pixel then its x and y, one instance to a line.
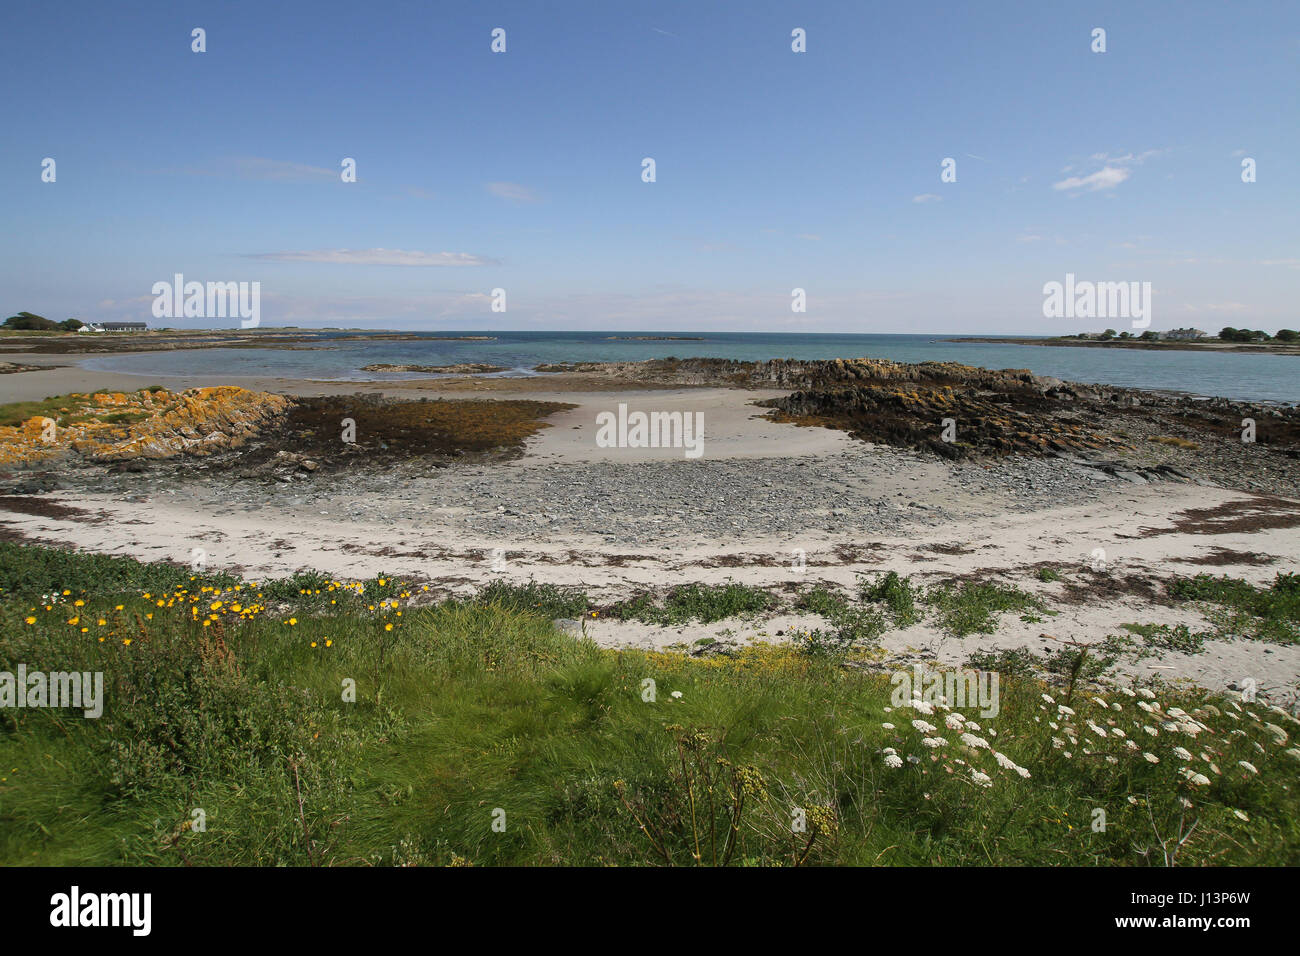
pixel 1249 376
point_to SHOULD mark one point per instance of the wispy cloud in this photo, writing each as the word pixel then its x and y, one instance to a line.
pixel 1127 158
pixel 275 170
pixel 376 257
pixel 1217 307
pixel 927 197
pixel 1107 178
pixel 513 192
pixel 418 192
pixel 810 236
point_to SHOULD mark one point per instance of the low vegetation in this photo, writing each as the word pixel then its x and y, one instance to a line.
pixel 312 721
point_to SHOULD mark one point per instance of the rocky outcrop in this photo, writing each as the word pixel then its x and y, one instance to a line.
pixel 150 424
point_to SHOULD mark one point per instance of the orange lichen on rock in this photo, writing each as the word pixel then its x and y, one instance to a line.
pixel 113 426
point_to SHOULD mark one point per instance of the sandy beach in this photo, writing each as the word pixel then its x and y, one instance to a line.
pixel 770 504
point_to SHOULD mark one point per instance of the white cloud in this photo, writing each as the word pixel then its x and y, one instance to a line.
pixel 376 257
pixel 511 191
pixel 1217 307
pixel 1107 178
pixel 927 197
pixel 275 170
pixel 810 236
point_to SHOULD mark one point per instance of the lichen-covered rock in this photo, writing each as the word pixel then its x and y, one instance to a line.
pixel 117 426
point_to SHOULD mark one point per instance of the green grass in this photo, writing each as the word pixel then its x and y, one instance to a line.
pixel 897 594
pixel 854 624
pixel 974 607
pixel 65 410
pixel 1240 609
pixel 15 413
pixel 703 603
pixel 1172 638
pixel 477 711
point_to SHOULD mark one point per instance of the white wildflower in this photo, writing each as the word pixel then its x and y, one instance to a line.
pixel 893 760
pixel 970 740
pixel 1247 766
pixel 982 779
pixel 1182 754
pixel 1151 758
pixel 924 727
pixel 934 742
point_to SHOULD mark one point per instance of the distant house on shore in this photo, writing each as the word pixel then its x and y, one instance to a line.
pixel 1182 335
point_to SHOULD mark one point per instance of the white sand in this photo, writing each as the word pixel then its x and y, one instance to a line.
pixel 276 540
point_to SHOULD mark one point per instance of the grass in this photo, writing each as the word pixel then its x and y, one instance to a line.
pixel 973 607
pixel 346 728
pixel 703 603
pixel 896 593
pixel 66 410
pixel 1168 638
pixel 56 407
pixel 1241 609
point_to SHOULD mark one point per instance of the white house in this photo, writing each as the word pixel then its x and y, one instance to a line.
pixel 1182 335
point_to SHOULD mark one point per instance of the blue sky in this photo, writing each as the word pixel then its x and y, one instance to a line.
pixel 775 169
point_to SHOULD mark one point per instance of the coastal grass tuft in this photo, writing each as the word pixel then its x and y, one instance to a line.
pixel 1241 609
pixel 703 603
pixel 897 594
pixel 973 607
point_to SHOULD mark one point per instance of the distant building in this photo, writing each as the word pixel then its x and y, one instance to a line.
pixel 1182 335
pixel 124 326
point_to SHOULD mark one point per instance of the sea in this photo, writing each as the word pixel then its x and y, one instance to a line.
pixel 339 356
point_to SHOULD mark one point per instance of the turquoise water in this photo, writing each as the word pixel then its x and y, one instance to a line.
pixel 1244 376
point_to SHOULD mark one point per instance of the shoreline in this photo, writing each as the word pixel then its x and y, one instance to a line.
pixel 777 477
pixel 1165 346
